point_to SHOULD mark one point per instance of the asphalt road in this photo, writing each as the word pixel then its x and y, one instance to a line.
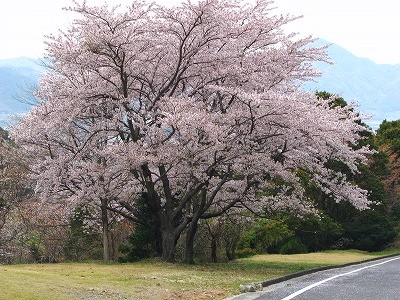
pixel 375 280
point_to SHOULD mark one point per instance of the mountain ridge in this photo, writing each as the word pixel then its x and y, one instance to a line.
pixel 375 87
pixel 18 77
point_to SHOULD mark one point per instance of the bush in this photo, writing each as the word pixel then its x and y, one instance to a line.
pixel 83 241
pixel 246 252
pixel 293 246
pixel 266 236
pixel 36 247
pixel 316 232
pixel 342 244
pixel 370 231
pixel 143 244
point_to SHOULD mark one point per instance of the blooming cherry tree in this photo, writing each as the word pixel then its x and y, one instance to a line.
pixel 195 108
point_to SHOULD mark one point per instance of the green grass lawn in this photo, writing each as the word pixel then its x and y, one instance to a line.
pixel 154 279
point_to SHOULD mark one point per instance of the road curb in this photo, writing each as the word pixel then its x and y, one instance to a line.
pixel 302 273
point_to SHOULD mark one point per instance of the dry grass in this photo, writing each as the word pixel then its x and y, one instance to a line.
pixel 155 279
pixel 327 257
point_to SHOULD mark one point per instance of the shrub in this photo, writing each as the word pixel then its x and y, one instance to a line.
pixel 36 247
pixel 246 252
pixel 142 244
pixel 370 231
pixel 83 241
pixel 266 236
pixel 293 246
pixel 316 232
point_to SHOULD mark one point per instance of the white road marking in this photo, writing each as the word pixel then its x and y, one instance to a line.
pixel 333 277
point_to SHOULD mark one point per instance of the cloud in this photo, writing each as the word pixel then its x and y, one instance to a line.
pixel 367 28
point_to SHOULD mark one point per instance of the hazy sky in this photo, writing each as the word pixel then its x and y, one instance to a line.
pixel 367 28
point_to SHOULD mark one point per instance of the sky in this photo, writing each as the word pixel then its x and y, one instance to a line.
pixel 367 28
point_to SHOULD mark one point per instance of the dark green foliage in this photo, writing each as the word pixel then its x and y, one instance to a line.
pixel 266 236
pixel 367 179
pixel 388 139
pixel 370 231
pixel 317 233
pixel 82 242
pixel 347 227
pixel 378 165
pixel 395 213
pixel 35 246
pixel 365 230
pixel 5 138
pixel 337 101
pixel 388 133
pixel 293 246
pixel 4 135
pixel 142 244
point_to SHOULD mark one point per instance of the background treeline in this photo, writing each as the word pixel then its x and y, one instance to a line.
pixel 32 229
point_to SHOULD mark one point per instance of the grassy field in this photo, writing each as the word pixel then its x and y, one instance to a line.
pixel 154 279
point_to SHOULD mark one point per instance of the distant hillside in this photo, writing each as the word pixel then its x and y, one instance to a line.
pixel 375 87
pixel 17 78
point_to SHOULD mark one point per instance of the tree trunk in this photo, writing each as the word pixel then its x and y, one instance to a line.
pixel 189 246
pixel 168 245
pixel 214 258
pixel 106 232
pixel 230 248
pixel 198 209
pixel 159 241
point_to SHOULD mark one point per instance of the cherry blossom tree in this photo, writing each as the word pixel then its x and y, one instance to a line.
pixel 22 215
pixel 195 109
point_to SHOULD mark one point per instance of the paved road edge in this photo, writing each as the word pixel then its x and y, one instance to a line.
pixel 253 295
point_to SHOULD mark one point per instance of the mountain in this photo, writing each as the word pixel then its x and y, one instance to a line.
pixel 375 87
pixel 17 79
